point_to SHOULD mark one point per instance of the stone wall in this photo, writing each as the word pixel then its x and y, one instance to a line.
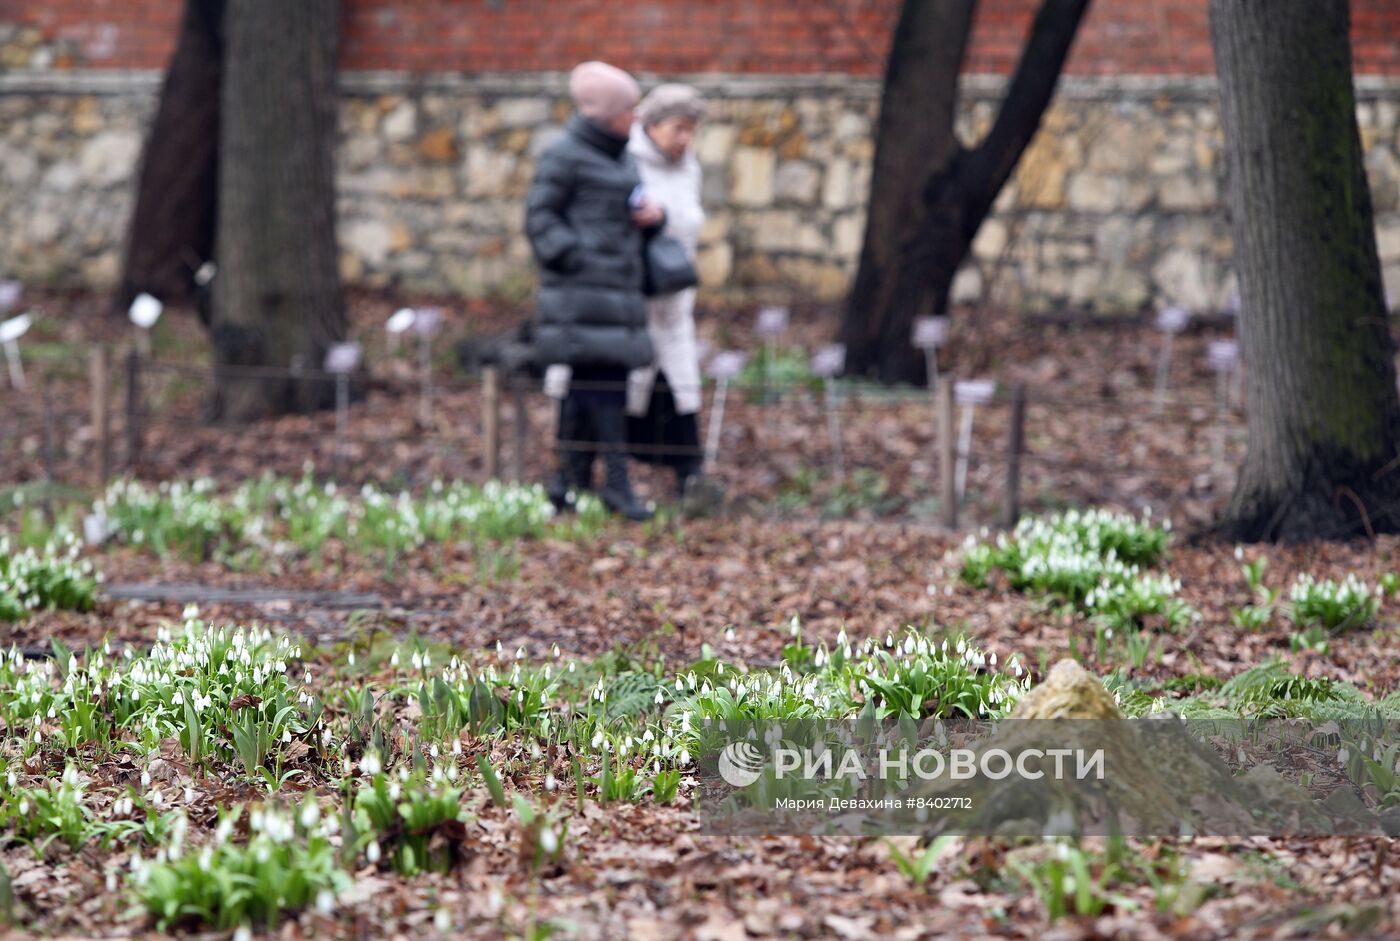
pixel 1117 205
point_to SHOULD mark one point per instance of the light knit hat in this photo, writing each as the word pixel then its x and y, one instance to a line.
pixel 601 92
pixel 671 100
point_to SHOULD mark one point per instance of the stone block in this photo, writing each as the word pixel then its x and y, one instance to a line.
pixel 797 181
pixel 752 172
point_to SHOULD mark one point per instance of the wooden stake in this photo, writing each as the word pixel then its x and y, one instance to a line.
pixel 491 420
pixel 101 411
pixel 947 453
pixel 522 428
pixel 1015 443
pixel 133 409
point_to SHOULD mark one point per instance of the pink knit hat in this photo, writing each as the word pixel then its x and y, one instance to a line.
pixel 601 91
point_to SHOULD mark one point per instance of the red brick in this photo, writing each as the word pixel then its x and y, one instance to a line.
pixel 1118 36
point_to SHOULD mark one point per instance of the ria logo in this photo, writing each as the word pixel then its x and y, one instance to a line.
pixel 740 764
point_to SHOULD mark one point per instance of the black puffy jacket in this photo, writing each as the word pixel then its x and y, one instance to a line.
pixel 591 311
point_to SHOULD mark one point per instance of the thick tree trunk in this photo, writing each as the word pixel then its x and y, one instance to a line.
pixel 914 142
pixel 172 226
pixel 277 297
pixel 928 194
pixel 1324 418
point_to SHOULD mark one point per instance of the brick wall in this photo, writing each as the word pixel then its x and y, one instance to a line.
pixel 1158 37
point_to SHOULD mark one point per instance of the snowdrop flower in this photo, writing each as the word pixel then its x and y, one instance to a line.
pixel 310 813
pixel 549 841
pixel 370 764
pixel 372 851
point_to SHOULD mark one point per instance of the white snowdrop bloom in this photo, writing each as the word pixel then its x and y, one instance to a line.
pixel 310 813
pixel 442 920
pixel 394 659
pixel 370 764
pixel 351 658
pixel 549 841
pixel 243 934
pixel 372 851
pixel 325 901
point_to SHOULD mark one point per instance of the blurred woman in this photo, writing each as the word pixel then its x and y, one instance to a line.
pixel 663 399
pixel 587 225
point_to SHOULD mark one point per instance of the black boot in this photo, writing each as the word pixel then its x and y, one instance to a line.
pixel 611 426
pixel 575 468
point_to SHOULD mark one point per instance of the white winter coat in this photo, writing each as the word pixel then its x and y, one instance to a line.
pixel 675 186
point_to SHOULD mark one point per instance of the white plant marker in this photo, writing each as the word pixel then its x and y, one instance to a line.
pixel 397 324
pixel 771 323
pixel 969 393
pixel 427 321
pixel 828 363
pixel 342 359
pixel 1170 321
pixel 723 367
pixel 9 295
pixel 929 334
pixel 204 274
pixel 10 332
pixel 144 312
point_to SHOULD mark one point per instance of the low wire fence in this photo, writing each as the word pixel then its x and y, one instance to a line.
pixel 497 426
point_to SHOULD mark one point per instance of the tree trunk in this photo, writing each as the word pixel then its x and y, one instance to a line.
pixel 172 226
pixel 929 195
pixel 1324 417
pixel 277 296
pixel 914 142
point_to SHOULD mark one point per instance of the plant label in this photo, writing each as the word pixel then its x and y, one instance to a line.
pixel 427 321
pixel 727 364
pixel 400 321
pixel 772 321
pixel 1173 319
pixel 343 358
pixel 1222 355
pixel 829 361
pixel 16 327
pixel 974 391
pixel 930 332
pixel 145 310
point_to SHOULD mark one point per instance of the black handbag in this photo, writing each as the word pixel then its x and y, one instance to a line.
pixel 668 267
